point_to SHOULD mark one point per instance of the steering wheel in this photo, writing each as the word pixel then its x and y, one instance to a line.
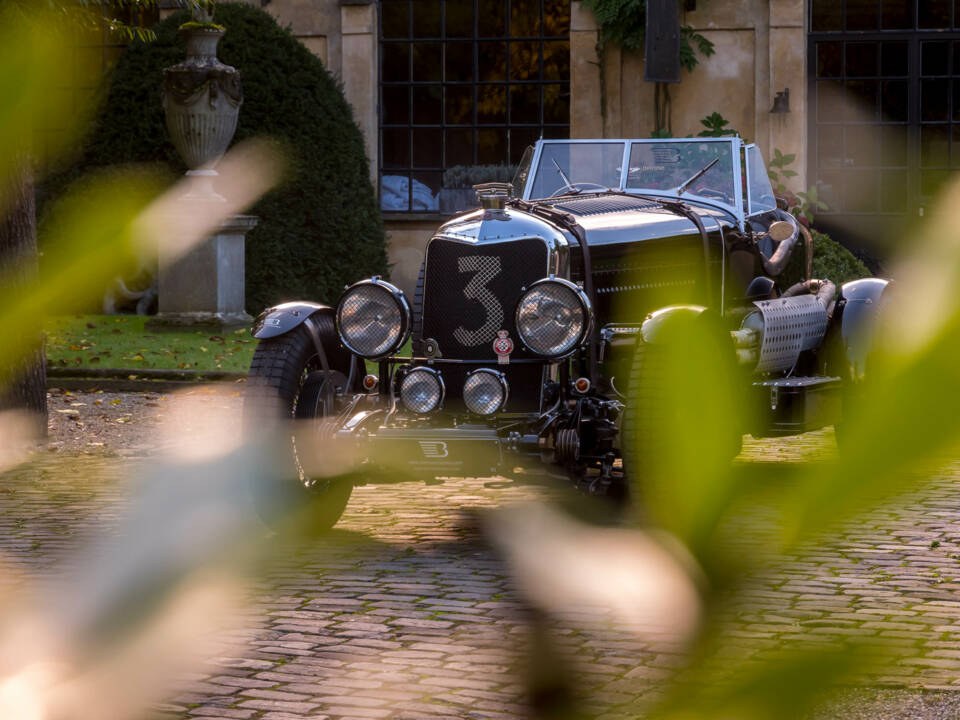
pixel 711 193
pixel 578 186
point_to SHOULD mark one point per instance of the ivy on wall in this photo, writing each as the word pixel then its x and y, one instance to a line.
pixel 624 23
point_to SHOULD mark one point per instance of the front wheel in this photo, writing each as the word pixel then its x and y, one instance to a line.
pixel 681 426
pixel 287 382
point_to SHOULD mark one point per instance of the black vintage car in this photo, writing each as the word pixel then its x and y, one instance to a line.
pixel 535 327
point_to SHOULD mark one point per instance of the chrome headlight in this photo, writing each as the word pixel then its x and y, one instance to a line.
pixel 553 317
pixel 485 391
pixel 422 390
pixel 373 318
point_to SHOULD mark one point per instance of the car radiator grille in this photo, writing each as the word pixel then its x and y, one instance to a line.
pixel 470 293
pixel 649 276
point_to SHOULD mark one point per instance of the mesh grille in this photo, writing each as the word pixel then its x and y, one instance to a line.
pixel 470 292
pixel 651 275
pixel 790 326
pixel 604 204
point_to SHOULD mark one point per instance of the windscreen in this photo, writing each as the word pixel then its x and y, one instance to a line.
pixel 664 166
pixel 586 166
pixel 758 188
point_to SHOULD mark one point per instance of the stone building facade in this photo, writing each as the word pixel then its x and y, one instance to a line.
pixel 436 83
pixel 760 50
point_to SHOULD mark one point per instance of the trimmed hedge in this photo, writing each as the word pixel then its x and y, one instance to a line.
pixel 318 231
pixel 831 261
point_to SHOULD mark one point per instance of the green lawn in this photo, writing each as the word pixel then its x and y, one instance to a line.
pixel 121 341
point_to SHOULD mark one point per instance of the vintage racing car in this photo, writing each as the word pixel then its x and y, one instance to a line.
pixel 535 323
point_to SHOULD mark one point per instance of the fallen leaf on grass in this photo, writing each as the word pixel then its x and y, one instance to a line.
pixel 115 401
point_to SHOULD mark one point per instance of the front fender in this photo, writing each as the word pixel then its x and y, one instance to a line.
pixel 855 329
pixel 663 324
pixel 281 319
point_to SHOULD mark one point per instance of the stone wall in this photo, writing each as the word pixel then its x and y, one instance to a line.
pixel 760 49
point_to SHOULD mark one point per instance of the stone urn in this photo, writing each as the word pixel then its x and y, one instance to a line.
pixel 201 101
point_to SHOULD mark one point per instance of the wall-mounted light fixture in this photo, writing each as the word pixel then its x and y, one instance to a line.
pixel 781 102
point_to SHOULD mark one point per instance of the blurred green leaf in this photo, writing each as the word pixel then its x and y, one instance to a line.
pixel 35 49
pixel 90 241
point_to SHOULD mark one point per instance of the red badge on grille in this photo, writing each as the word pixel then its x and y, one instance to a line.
pixel 503 346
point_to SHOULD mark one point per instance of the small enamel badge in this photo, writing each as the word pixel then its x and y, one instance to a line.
pixel 503 346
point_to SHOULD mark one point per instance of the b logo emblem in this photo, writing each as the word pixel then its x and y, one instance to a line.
pixel 433 449
pixel 486 269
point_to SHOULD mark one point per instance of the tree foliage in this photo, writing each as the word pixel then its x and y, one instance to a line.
pixel 624 23
pixel 318 230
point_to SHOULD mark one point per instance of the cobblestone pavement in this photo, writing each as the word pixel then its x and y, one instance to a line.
pixel 405 612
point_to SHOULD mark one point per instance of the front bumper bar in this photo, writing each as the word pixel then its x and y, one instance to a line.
pixel 458 451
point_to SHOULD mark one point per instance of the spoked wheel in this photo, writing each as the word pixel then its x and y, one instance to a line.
pixel 287 382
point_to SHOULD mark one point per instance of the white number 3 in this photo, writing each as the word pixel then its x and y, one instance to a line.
pixel 486 269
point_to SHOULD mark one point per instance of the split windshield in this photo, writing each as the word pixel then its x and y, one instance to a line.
pixel 655 166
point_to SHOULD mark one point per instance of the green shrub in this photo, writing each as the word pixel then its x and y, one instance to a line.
pixel 321 228
pixel 831 261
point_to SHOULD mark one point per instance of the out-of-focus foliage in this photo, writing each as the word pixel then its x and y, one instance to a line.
pixel 87 15
pixel 28 94
pixel 321 228
pixel 102 643
pixel 99 650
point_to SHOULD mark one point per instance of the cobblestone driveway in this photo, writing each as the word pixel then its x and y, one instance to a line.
pixel 404 612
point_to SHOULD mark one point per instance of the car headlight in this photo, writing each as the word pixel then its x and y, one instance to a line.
pixel 422 390
pixel 553 317
pixel 373 318
pixel 485 391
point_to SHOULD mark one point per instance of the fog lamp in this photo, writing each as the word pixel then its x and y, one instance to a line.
pixel 485 391
pixel 422 390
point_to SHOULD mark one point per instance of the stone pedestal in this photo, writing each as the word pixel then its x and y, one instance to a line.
pixel 206 286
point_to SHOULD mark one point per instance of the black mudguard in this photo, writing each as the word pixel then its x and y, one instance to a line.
pixel 854 328
pixel 281 319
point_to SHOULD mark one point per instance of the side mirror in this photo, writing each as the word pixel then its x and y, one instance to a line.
pixel 780 230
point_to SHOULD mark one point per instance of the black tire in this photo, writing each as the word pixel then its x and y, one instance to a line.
pixel 661 424
pixel 285 382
